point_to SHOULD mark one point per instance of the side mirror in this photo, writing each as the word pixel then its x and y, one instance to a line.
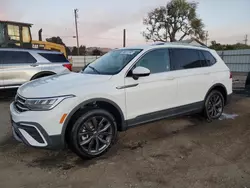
pixel 140 72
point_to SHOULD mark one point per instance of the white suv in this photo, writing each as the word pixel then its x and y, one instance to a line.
pixel 122 89
pixel 18 66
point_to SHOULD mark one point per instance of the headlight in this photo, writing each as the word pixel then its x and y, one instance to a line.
pixel 45 103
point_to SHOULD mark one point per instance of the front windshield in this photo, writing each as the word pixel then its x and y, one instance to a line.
pixel 112 62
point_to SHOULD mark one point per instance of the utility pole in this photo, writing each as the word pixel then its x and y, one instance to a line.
pixel 206 37
pixel 245 40
pixel 77 37
pixel 166 25
pixel 124 37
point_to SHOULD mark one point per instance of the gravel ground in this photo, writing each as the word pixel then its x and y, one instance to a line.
pixel 184 152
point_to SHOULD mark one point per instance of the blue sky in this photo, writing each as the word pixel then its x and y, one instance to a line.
pixel 101 22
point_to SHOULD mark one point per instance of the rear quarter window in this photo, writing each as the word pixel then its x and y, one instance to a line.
pixel 209 58
pixel 54 58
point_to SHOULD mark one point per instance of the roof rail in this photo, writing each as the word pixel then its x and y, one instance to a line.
pixel 188 44
pixel 179 43
pixel 159 43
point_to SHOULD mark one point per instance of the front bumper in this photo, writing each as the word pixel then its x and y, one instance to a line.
pixel 41 128
pixel 32 134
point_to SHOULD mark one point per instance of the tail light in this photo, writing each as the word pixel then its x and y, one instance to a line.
pixel 68 66
pixel 231 75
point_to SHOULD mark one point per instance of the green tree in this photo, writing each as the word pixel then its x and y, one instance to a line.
pixel 96 52
pixel 82 50
pixel 241 46
pixel 68 52
pixel 74 51
pixel 56 40
pixel 177 17
pixel 217 46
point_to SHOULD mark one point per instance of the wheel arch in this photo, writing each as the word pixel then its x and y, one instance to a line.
pixel 220 87
pixel 39 74
pixel 105 104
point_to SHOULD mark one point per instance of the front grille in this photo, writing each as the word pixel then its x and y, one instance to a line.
pixel 20 104
pixel 17 134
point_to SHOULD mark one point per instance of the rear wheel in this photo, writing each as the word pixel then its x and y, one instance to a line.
pixel 93 133
pixel 214 105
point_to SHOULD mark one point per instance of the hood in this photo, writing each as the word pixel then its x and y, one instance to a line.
pixel 57 85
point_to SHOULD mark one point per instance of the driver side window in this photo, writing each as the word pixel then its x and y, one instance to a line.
pixel 156 61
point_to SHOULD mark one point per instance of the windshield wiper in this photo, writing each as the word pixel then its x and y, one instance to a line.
pixel 94 69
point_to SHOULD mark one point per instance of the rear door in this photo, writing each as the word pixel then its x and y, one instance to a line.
pixel 17 67
pixel 192 74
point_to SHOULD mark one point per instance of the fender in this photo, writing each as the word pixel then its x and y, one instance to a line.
pixel 216 85
pixel 123 125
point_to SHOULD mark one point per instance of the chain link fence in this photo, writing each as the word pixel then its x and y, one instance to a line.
pixel 236 60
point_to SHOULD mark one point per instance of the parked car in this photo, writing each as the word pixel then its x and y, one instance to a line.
pixel 124 88
pixel 18 66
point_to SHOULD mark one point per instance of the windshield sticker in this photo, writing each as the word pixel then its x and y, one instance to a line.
pixel 128 52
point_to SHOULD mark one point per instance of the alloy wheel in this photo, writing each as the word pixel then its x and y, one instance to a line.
pixel 95 135
pixel 215 106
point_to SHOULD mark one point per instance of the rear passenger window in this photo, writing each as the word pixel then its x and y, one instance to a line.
pixel 184 59
pixel 209 58
pixel 12 57
pixel 156 61
pixel 54 58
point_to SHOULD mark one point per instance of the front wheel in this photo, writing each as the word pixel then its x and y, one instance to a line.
pixel 93 133
pixel 214 105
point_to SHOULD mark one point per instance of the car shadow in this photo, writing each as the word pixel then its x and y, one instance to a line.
pixel 63 159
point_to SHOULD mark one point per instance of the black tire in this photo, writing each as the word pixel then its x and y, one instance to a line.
pixel 247 83
pixel 214 105
pixel 87 132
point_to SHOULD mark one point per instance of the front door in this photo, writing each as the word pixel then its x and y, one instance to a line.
pixel 148 97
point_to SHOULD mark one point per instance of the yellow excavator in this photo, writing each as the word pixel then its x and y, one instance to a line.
pixel 18 35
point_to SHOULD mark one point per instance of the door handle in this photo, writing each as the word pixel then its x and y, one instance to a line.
pixel 207 73
pixel 170 78
pixel 34 65
pixel 127 86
